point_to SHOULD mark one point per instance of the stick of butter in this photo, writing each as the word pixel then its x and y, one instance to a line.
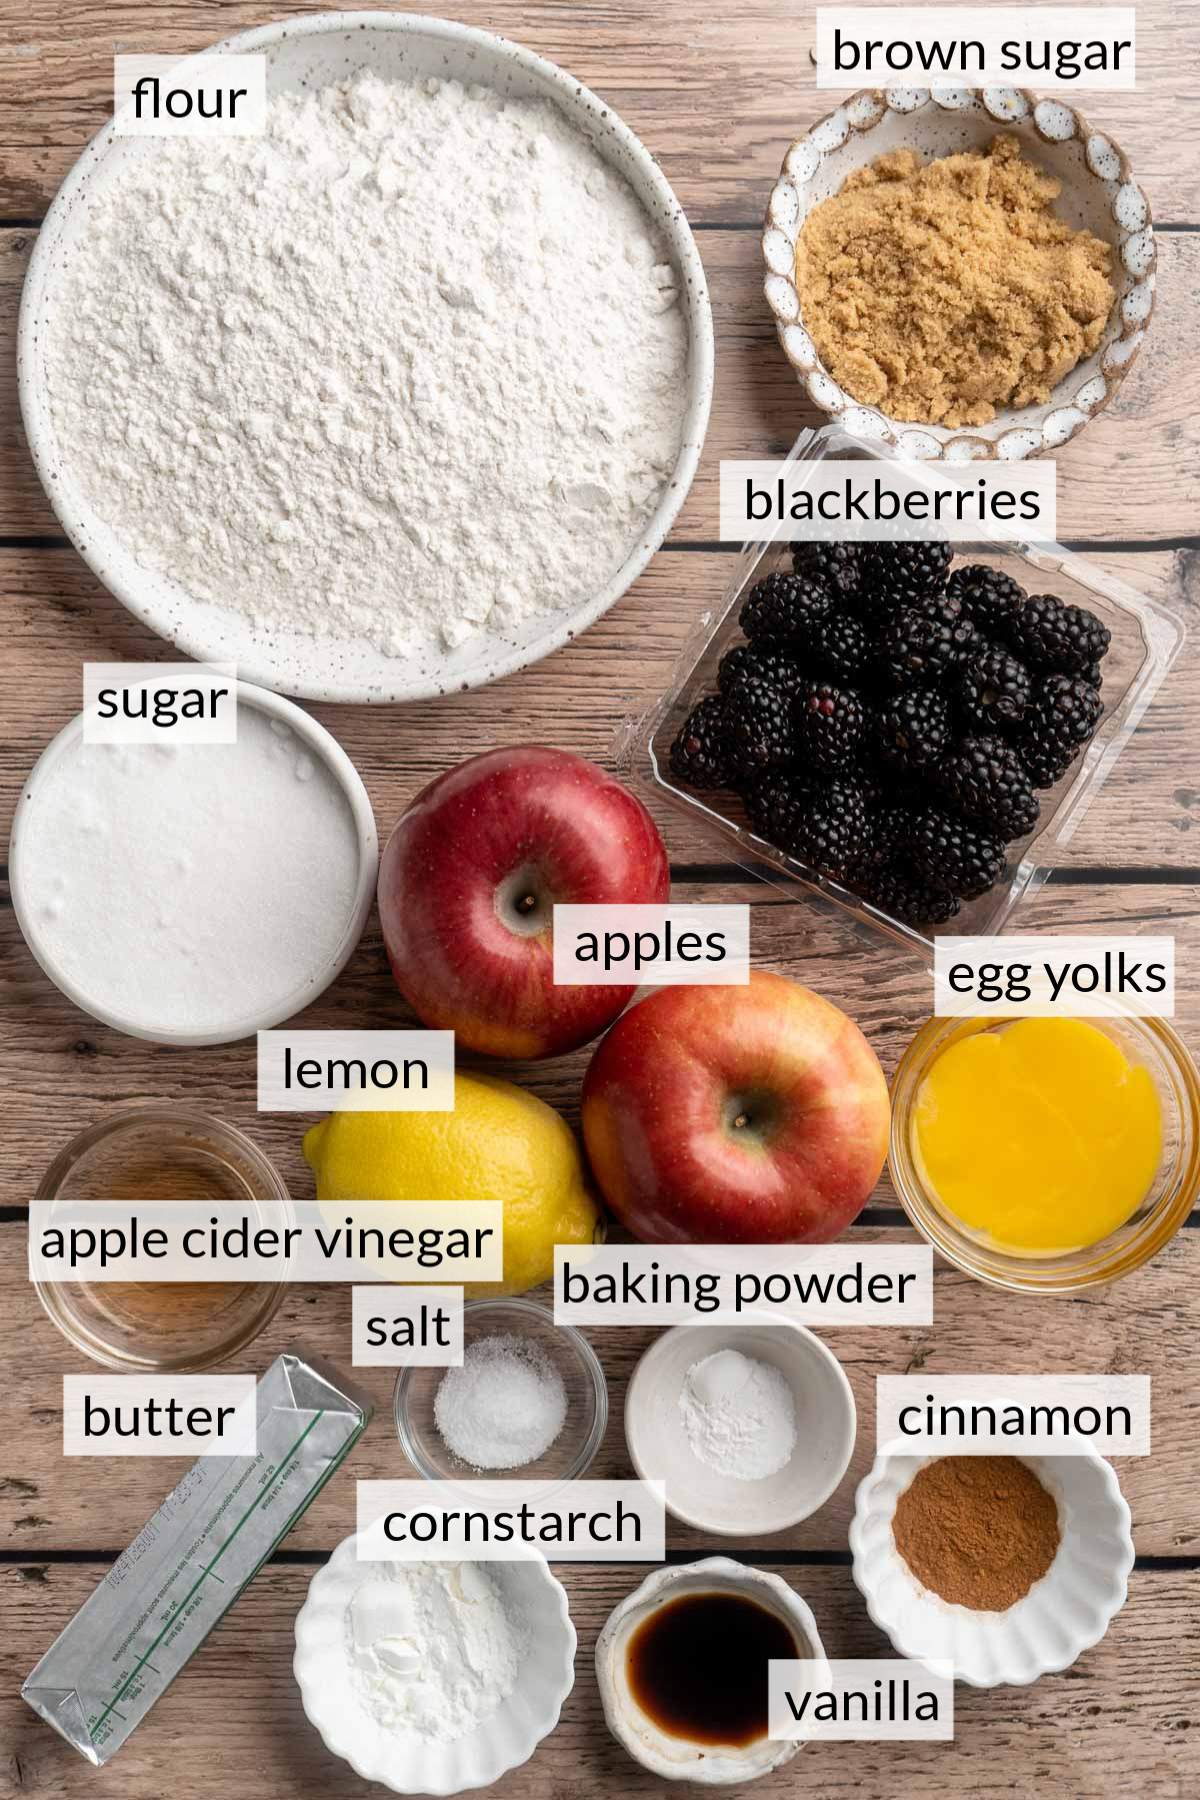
pixel 187 1566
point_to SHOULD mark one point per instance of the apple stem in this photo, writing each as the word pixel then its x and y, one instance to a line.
pixel 741 1122
pixel 526 903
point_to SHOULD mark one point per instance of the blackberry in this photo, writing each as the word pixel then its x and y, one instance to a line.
pixel 758 723
pixel 1093 675
pixel 895 575
pixel 992 691
pixel 827 827
pixel 890 824
pixel 766 662
pixel 1049 635
pixel 698 755
pixel 912 730
pixel 771 804
pixel 837 565
pixel 780 606
pixel 989 597
pixel 953 614
pixel 1066 710
pixel 1064 716
pixel 911 897
pixel 1047 762
pixel 836 645
pixel 830 725
pixel 961 856
pixel 918 647
pixel 985 778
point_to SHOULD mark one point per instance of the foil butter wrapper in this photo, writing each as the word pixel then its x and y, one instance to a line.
pixel 188 1565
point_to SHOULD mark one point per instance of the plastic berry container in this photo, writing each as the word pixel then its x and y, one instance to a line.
pixel 1145 639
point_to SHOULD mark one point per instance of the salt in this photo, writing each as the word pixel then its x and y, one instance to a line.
pixel 188 890
pixel 503 1407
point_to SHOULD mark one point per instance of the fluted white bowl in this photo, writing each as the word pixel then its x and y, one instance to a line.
pixel 500 1743
pixel 1061 1616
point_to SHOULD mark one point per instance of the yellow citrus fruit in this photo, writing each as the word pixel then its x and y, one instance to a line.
pixel 499 1143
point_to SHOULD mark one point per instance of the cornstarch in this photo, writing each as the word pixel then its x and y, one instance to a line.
pixel 434 1648
pixel 409 364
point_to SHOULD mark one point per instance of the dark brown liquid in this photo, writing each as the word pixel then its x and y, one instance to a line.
pixel 698 1667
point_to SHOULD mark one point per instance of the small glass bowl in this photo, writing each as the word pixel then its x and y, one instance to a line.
pixel 163 1153
pixel 1156 1047
pixel 571 1453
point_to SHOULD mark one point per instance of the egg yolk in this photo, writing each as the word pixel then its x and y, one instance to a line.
pixel 1040 1135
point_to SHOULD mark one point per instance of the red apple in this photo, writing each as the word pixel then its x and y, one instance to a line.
pixel 469 880
pixel 736 1115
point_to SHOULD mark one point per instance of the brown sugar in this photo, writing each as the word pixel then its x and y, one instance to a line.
pixel 944 292
pixel 978 1530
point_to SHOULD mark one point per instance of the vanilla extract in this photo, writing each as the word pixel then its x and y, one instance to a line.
pixel 697 1667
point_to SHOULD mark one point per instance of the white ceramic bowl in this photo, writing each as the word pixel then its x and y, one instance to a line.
pixel 1061 1616
pixel 1098 192
pixel 675 1758
pixel 498 1744
pixel 700 1496
pixel 326 749
pixel 311 52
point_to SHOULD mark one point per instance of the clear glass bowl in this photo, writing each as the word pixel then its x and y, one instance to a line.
pixel 1146 637
pixel 571 1453
pixel 1156 1047
pixel 163 1153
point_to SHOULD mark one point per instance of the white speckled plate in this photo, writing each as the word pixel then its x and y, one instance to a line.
pixel 1061 1616
pixel 1098 193
pixel 311 52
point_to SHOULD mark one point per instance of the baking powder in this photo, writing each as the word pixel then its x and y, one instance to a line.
pixel 409 364
pixel 739 1415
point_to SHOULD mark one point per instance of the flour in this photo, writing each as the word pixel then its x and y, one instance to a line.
pixel 410 364
pixel 433 1648
pixel 739 1415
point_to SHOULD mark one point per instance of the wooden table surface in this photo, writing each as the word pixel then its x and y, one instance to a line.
pixel 716 92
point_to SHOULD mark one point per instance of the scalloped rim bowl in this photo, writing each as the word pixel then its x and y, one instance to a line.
pixel 305 52
pixel 1098 192
pixel 1061 1616
pixel 500 1743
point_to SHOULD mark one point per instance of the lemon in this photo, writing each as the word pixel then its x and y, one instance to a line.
pixel 499 1143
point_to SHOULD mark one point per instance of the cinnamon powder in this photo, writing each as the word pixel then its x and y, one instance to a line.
pixel 946 291
pixel 978 1530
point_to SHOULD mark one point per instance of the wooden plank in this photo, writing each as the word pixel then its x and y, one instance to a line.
pixel 717 96
pixel 63 1069
pixel 1117 1723
pixel 1148 441
pixel 1144 1325
pixel 57 616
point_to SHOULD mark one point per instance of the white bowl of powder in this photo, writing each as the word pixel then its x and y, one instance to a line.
pixel 389 400
pixel 433 1677
pixel 195 893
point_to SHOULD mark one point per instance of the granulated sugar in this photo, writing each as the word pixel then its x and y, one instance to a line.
pixel 409 364
pixel 182 889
